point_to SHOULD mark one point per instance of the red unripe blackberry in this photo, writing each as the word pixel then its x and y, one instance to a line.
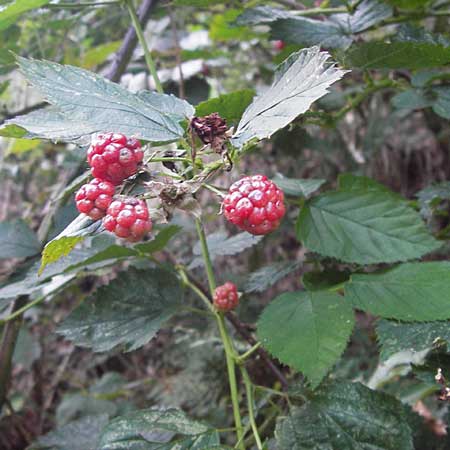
pixel 254 204
pixel 94 198
pixel 128 218
pixel 226 297
pixel 114 157
pixel 279 45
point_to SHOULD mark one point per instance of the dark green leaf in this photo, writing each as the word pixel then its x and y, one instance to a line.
pixel 82 434
pixel 298 187
pixel 397 55
pixel 229 106
pixel 317 281
pixel 17 240
pixel 326 321
pixel 412 99
pixel 307 32
pixel 299 81
pixel 364 226
pixel 95 104
pixel 431 196
pixel 394 336
pixel 27 349
pixel 128 311
pixel 261 14
pixel 154 429
pixel 267 276
pixel 10 13
pixel 346 416
pixel 410 292
pixel 350 182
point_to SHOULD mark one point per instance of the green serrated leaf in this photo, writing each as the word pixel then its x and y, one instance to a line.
pixel 93 104
pixel 395 337
pixel 82 434
pixel 299 81
pixel 128 311
pixel 267 276
pixel 329 278
pixel 229 106
pixel 298 187
pixel 397 55
pixel 17 240
pixel 11 12
pixel 409 292
pixel 157 429
pixel 364 226
pixel 350 182
pixel 326 321
pixel 346 416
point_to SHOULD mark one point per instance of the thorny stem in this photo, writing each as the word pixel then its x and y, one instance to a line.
pixel 230 353
pixel 140 34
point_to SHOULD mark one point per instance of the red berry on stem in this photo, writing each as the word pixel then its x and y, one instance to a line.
pixel 226 297
pixel 279 45
pixel 128 218
pixel 114 157
pixel 94 198
pixel 255 204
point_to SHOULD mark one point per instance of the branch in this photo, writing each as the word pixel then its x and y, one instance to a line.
pixel 124 54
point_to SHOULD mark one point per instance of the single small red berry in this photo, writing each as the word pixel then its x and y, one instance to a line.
pixel 128 218
pixel 255 204
pixel 94 198
pixel 226 297
pixel 114 157
pixel 279 45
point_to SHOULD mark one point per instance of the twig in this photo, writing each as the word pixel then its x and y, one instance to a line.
pixel 123 56
pixel 181 90
pixel 7 345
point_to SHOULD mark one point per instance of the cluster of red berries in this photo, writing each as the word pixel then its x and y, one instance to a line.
pixel 226 297
pixel 113 157
pixel 255 204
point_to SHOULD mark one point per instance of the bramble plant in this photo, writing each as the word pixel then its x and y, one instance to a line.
pixel 161 169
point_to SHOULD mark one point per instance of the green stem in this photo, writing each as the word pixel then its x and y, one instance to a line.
pixel 170 159
pixel 206 257
pixel 250 404
pixel 319 11
pixel 231 368
pixel 230 353
pixel 20 311
pixel 248 353
pixel 142 41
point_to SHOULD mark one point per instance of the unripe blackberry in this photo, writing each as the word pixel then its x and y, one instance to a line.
pixel 94 198
pixel 254 204
pixel 114 157
pixel 128 218
pixel 226 297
